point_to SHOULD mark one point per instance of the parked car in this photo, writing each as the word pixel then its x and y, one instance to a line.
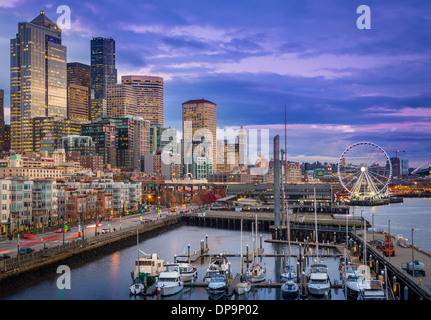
pixel 23 251
pixel 4 256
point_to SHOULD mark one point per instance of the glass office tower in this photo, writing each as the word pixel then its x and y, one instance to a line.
pixel 103 73
pixel 38 78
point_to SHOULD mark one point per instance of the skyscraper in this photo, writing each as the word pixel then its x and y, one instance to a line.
pixel 149 90
pixel 38 78
pixel 2 124
pixel 78 90
pixel 199 132
pixel 121 101
pixel 103 73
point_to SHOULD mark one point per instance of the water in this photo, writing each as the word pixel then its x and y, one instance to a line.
pixel 108 278
pixel 413 213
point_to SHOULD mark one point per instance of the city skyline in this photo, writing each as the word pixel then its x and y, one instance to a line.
pixel 340 84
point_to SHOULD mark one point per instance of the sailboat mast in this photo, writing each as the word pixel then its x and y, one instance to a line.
pixel 242 260
pixel 315 223
pixel 257 250
pixel 286 202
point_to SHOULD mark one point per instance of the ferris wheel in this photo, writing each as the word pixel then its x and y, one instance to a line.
pixel 365 170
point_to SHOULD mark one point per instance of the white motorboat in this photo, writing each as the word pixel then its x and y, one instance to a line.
pixel 170 283
pixel 373 290
pixel 354 285
pixel 290 289
pixel 187 271
pixel 353 280
pixel 242 287
pixel 318 280
pixel 217 286
pixel 218 265
pixel 256 273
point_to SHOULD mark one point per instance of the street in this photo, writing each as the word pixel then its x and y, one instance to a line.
pixel 52 238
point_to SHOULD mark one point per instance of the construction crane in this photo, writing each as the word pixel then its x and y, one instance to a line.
pixel 397 172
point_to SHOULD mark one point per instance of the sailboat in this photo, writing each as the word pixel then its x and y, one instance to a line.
pixel 244 285
pixel 318 279
pixel 257 272
pixel 289 288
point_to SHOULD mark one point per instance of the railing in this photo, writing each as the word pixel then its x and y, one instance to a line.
pixel 47 254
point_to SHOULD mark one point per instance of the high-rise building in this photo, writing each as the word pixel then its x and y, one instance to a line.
pixel 74 143
pixel 103 73
pixel 149 90
pixel 78 90
pixel 121 142
pixel 79 74
pixel 6 138
pixel 121 101
pixel 38 78
pixel 53 128
pixel 103 133
pixel 199 133
pixel 2 123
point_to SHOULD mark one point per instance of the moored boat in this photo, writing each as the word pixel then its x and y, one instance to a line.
pixel 218 265
pixel 318 280
pixel 170 283
pixel 217 286
pixel 256 273
pixel 290 289
pixel 242 287
pixel 147 269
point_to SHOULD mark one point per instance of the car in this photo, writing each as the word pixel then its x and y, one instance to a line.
pixel 23 251
pixel 106 231
pixel 4 256
pixel 59 230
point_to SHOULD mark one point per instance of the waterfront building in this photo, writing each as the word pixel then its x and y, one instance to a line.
pixel 38 76
pixel 230 177
pixel 149 92
pixel 103 73
pixel 199 119
pixel 126 195
pixel 81 201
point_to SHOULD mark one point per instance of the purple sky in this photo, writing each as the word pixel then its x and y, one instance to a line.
pixel 341 85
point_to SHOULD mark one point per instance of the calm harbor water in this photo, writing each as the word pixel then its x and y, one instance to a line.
pixel 108 278
pixel 413 213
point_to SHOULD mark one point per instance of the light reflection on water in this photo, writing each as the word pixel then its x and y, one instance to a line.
pixel 108 278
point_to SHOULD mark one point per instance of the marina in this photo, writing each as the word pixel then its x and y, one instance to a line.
pixel 199 245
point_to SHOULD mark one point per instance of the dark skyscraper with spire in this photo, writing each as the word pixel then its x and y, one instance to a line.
pixel 103 73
